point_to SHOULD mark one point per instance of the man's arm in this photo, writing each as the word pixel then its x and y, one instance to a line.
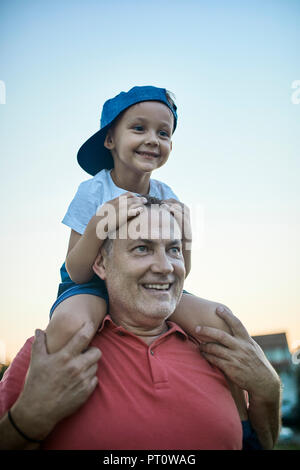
pixel 11 439
pixel 63 380
pixel 264 415
pixel 244 363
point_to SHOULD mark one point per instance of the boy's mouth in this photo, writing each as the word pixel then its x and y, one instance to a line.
pixel 148 154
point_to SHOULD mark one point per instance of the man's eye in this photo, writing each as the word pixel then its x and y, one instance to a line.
pixel 175 250
pixel 138 128
pixel 141 249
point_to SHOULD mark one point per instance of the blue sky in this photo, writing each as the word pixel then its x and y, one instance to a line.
pixel 235 152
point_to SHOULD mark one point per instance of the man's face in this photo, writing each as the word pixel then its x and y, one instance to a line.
pixel 140 142
pixel 145 276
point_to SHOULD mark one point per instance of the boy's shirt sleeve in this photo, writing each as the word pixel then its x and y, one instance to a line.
pixel 83 207
pixel 162 191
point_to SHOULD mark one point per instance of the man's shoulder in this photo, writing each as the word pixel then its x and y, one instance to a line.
pixel 25 350
pixel 22 358
pixel 13 379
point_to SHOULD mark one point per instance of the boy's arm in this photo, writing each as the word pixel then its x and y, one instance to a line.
pixel 83 249
pixel 82 252
pixel 193 311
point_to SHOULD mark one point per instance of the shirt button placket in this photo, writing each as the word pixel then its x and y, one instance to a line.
pixel 158 370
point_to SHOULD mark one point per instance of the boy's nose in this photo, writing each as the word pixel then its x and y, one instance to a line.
pixel 151 138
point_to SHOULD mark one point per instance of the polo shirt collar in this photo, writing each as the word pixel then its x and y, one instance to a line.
pixel 172 328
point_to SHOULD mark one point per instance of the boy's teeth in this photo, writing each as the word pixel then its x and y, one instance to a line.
pixel 147 154
pixel 157 286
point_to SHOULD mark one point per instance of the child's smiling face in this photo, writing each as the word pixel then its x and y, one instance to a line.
pixel 140 141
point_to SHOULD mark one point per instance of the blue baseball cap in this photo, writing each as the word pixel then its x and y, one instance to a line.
pixel 92 155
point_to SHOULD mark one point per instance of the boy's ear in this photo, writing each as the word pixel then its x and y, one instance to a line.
pixel 99 267
pixel 108 142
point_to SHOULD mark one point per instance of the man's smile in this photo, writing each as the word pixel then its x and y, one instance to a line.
pixel 157 286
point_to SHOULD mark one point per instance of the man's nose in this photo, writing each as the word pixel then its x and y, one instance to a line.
pixel 161 263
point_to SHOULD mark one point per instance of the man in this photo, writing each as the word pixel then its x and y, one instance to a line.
pixel 154 389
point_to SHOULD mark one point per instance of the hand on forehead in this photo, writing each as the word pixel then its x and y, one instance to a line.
pixel 153 223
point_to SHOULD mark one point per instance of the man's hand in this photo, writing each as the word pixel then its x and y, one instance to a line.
pixel 244 363
pixel 238 355
pixel 56 384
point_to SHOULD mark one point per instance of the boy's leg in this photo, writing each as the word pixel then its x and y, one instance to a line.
pixel 194 311
pixel 70 315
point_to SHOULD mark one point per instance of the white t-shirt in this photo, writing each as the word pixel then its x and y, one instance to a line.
pixel 96 191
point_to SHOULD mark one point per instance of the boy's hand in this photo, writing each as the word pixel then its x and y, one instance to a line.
pixel 181 213
pixel 117 212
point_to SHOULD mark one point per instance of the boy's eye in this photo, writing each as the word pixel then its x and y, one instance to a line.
pixel 164 134
pixel 138 128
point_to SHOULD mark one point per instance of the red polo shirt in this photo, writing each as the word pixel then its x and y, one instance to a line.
pixel 162 396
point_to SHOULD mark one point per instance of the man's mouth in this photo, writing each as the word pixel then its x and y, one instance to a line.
pixel 160 287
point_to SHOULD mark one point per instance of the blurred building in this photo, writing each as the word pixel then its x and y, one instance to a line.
pixel 275 347
pixel 3 367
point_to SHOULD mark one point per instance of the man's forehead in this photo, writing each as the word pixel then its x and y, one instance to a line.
pixel 153 224
pixel 167 241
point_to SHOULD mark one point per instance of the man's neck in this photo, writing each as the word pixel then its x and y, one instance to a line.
pixel 147 332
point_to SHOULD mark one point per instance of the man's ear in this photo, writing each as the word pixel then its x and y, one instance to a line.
pixel 109 142
pixel 99 267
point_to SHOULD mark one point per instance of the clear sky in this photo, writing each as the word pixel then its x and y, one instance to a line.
pixel 235 157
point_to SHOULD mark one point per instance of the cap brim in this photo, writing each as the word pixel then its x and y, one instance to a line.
pixel 93 156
